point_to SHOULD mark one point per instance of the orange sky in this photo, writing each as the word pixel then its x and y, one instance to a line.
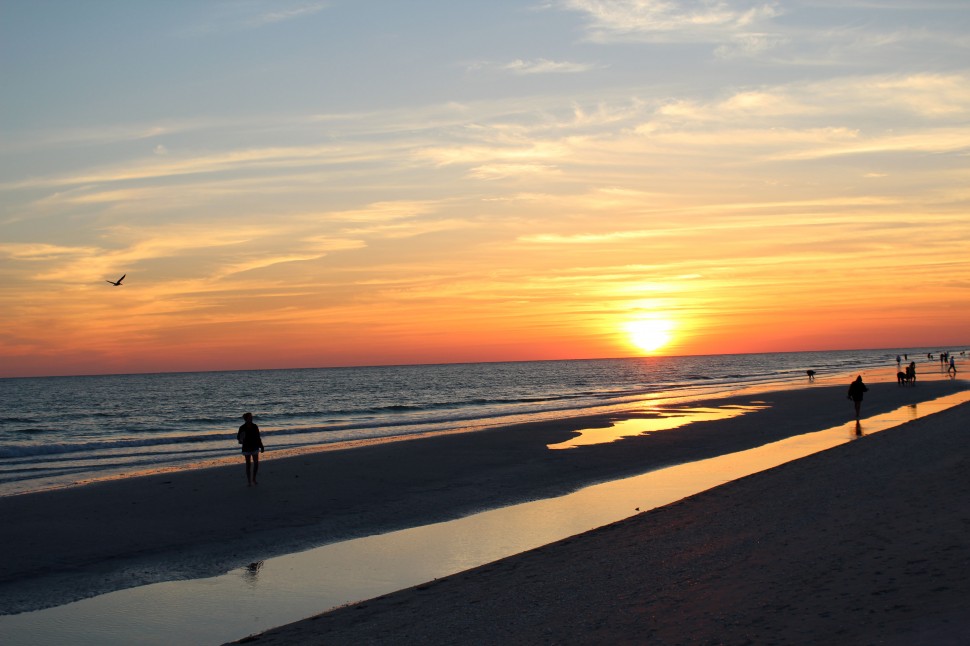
pixel 523 197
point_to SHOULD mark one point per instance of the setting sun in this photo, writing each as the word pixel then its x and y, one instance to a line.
pixel 650 335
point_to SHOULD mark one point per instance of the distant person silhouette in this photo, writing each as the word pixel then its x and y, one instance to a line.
pixel 953 367
pixel 856 390
pixel 252 446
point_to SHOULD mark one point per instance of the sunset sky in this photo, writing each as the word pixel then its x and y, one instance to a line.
pixel 365 182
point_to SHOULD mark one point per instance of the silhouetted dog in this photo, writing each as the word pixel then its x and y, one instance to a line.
pixel 811 375
pixel 908 377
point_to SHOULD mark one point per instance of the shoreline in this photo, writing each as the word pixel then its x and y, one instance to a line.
pixel 864 543
pixel 65 544
pixel 32 467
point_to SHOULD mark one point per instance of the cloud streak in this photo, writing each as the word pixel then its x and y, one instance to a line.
pixel 545 66
pixel 287 13
pixel 663 20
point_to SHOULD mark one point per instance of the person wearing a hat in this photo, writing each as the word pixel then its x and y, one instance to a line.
pixel 252 446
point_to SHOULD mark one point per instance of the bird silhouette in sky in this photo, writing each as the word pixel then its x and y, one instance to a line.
pixel 116 283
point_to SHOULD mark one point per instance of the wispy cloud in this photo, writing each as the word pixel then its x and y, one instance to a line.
pixel 914 98
pixel 167 166
pixel 662 20
pixel 740 29
pixel 499 140
pixel 39 251
pixel 495 151
pixel 501 171
pixel 411 228
pixel 123 248
pixel 545 66
pixel 750 45
pixel 250 14
pixel 253 263
pixel 383 212
pixel 287 13
pixel 944 140
pixel 20 141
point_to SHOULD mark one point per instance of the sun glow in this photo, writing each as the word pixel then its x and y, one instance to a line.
pixel 649 335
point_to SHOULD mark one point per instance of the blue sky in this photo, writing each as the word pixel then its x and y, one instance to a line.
pixel 476 181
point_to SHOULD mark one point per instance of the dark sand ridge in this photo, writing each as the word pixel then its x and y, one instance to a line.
pixel 72 543
pixel 865 543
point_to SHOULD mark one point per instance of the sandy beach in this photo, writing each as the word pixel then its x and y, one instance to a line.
pixel 77 542
pixel 861 544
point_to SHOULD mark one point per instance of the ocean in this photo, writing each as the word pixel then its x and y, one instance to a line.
pixel 59 431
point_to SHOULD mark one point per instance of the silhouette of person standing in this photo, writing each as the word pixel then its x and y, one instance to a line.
pixel 252 446
pixel 856 390
pixel 953 367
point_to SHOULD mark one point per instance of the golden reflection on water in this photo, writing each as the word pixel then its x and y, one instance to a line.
pixel 659 420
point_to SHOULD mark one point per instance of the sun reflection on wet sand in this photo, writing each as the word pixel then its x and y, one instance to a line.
pixel 659 420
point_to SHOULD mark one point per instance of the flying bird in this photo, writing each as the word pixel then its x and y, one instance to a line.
pixel 116 283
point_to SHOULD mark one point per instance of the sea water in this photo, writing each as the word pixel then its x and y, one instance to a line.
pixel 57 431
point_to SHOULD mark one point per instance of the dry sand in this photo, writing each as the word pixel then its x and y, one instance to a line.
pixel 865 543
pixel 73 543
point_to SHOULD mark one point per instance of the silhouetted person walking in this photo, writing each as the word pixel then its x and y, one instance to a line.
pixel 252 445
pixel 856 390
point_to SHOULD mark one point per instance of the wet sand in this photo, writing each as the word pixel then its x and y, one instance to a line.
pixel 74 543
pixel 865 543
